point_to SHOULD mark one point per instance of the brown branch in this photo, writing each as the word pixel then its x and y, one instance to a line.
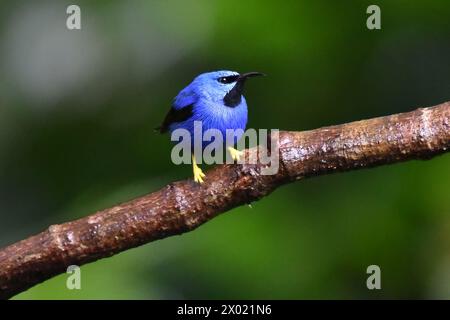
pixel 183 206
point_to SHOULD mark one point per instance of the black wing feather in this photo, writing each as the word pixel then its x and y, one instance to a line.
pixel 175 115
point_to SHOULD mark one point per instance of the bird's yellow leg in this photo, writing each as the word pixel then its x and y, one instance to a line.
pixel 198 173
pixel 235 154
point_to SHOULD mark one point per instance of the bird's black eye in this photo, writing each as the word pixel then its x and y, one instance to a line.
pixel 229 79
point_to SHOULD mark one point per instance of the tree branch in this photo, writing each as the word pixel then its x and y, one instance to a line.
pixel 184 205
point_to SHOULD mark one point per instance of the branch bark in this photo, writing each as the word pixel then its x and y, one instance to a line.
pixel 184 205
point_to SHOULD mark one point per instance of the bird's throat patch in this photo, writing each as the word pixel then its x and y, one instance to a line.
pixel 234 97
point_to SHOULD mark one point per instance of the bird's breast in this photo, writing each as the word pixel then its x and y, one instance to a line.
pixel 220 117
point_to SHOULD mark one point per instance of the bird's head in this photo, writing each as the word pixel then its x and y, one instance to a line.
pixel 224 86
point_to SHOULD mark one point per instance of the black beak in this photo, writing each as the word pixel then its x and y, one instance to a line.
pixel 244 76
pixel 233 98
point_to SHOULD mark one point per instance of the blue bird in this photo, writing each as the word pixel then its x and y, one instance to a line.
pixel 215 99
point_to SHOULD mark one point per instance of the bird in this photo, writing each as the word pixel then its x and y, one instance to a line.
pixel 216 99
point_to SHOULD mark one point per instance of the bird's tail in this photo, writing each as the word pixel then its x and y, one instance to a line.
pixel 159 129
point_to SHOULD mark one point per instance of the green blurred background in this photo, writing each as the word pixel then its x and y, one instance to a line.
pixel 78 108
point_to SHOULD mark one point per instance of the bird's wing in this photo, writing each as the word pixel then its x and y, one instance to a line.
pixel 175 115
pixel 181 109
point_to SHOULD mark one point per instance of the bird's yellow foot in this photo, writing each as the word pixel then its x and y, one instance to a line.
pixel 198 173
pixel 235 154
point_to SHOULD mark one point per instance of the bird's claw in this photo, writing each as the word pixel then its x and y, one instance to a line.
pixel 198 175
pixel 235 154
